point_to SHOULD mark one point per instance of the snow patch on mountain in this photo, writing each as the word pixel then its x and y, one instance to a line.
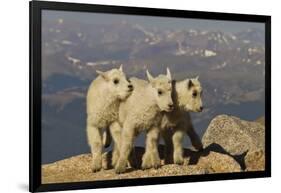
pixel 209 53
pixel 67 42
pixel 74 61
pixel 104 62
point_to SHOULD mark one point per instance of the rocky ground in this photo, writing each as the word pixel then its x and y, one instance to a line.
pixel 230 145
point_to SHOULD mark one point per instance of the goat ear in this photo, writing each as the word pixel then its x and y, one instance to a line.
pixel 169 74
pixel 149 76
pixel 189 84
pixel 197 77
pixel 102 74
pixel 121 68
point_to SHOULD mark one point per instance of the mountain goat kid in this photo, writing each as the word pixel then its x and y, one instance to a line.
pixel 103 99
pixel 186 97
pixel 143 111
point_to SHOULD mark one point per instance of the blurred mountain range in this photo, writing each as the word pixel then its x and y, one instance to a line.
pixel 230 65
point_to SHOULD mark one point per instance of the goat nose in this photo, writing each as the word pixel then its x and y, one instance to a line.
pixel 130 87
pixel 170 106
pixel 201 108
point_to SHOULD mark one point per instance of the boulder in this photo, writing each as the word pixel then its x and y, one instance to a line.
pixel 234 135
pixel 255 160
pixel 215 162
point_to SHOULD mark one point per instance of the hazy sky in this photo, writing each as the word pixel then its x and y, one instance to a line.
pixel 152 21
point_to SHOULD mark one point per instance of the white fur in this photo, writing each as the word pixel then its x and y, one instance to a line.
pixel 178 122
pixel 103 100
pixel 143 111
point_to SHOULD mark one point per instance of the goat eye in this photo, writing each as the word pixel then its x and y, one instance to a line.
pixel 160 92
pixel 115 81
pixel 194 94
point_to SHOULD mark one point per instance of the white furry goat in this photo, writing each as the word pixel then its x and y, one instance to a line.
pixel 103 99
pixel 186 97
pixel 143 111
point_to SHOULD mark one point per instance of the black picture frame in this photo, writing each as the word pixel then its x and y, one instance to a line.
pixel 36 8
